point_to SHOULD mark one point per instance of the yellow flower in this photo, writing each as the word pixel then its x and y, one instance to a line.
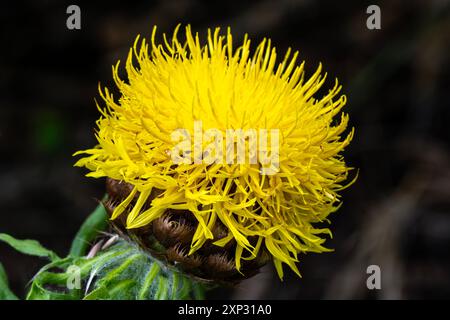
pixel 171 86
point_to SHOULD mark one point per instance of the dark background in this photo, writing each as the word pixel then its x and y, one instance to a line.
pixel 397 215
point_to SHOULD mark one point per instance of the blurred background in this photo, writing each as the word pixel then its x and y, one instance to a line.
pixel 397 80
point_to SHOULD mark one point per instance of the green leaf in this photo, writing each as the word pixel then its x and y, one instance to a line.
pixel 5 292
pixel 50 283
pixel 96 222
pixel 39 292
pixel 101 293
pixel 120 272
pixel 30 247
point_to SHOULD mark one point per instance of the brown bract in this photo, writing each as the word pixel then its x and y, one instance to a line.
pixel 169 238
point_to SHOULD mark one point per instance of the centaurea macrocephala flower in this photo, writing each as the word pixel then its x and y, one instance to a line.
pixel 220 215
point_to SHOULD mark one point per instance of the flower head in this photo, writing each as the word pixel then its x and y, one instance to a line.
pixel 174 85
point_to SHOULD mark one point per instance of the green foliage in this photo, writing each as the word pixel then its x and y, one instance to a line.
pixel 96 222
pixel 50 283
pixel 5 292
pixel 121 271
pixel 29 247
